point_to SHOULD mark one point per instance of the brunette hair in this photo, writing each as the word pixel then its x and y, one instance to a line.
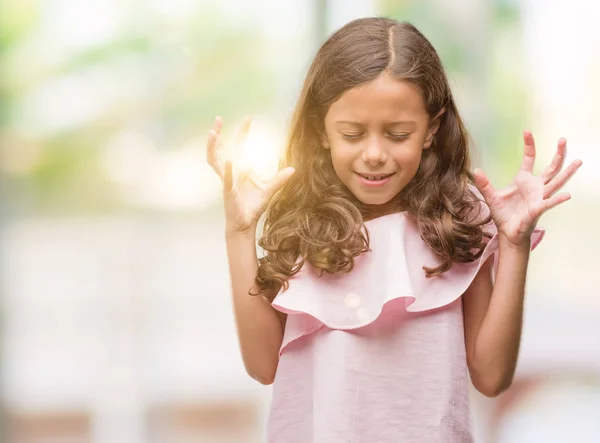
pixel 314 218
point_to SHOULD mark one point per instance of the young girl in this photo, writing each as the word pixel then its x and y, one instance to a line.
pixel 388 277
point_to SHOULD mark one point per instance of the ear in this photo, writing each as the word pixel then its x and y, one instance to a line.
pixel 324 141
pixel 434 125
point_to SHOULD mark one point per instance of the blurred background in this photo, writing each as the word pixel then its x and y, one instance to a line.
pixel 116 314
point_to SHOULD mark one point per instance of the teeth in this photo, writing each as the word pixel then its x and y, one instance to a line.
pixel 374 177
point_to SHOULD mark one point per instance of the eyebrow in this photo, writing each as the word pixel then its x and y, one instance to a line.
pixel 397 123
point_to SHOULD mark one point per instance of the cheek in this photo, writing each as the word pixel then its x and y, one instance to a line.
pixel 409 158
pixel 342 159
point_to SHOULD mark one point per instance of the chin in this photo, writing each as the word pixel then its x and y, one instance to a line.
pixel 375 202
pixel 372 200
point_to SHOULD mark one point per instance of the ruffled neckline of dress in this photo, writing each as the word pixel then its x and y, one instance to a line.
pixel 390 273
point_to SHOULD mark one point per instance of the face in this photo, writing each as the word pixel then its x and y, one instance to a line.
pixel 376 134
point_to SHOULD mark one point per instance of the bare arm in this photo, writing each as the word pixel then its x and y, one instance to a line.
pixel 493 317
pixel 245 197
pixel 259 325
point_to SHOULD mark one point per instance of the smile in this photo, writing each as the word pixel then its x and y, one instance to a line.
pixel 375 177
pixel 374 180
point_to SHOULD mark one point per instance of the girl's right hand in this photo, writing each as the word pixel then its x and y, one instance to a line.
pixel 245 194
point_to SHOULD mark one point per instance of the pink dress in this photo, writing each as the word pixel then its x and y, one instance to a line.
pixel 376 355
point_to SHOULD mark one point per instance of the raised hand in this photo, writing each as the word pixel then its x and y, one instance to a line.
pixel 516 209
pixel 245 194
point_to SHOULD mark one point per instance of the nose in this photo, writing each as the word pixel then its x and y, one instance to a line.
pixel 374 153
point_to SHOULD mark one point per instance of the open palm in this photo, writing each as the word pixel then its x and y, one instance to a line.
pixel 516 209
pixel 245 194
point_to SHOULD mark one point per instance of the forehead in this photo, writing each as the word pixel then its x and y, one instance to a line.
pixel 384 99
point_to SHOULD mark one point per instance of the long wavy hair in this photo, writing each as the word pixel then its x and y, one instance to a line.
pixel 314 218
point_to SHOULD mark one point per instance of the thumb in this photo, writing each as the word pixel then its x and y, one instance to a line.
pixel 279 180
pixel 483 184
pixel 230 181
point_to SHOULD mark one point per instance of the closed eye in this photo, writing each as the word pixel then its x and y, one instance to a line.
pixel 356 136
pixel 397 137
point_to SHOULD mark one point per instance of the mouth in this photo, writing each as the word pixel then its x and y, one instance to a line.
pixel 374 180
pixel 375 177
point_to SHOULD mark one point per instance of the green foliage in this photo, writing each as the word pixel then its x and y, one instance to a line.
pixel 499 132
pixel 210 67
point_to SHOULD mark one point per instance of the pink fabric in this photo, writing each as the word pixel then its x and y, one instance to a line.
pixel 377 354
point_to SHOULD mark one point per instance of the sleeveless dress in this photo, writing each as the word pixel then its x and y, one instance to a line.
pixel 377 355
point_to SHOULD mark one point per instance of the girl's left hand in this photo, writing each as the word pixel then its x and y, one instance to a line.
pixel 516 209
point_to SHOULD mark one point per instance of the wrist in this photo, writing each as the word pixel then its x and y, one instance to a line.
pixel 236 233
pixel 523 246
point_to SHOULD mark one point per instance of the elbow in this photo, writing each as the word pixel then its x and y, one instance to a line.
pixel 490 379
pixel 261 367
pixel 263 376
pixel 262 379
pixel 492 387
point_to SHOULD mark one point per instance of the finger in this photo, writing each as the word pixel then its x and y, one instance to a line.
pixel 561 179
pixel 218 124
pixel 242 133
pixel 218 127
pixel 557 162
pixel 212 158
pixel 228 181
pixel 528 152
pixel 279 180
pixel 555 200
pixel 484 185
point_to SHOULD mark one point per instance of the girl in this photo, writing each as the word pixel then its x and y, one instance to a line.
pixel 391 271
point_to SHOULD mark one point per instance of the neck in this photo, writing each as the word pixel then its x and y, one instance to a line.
pixel 370 212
